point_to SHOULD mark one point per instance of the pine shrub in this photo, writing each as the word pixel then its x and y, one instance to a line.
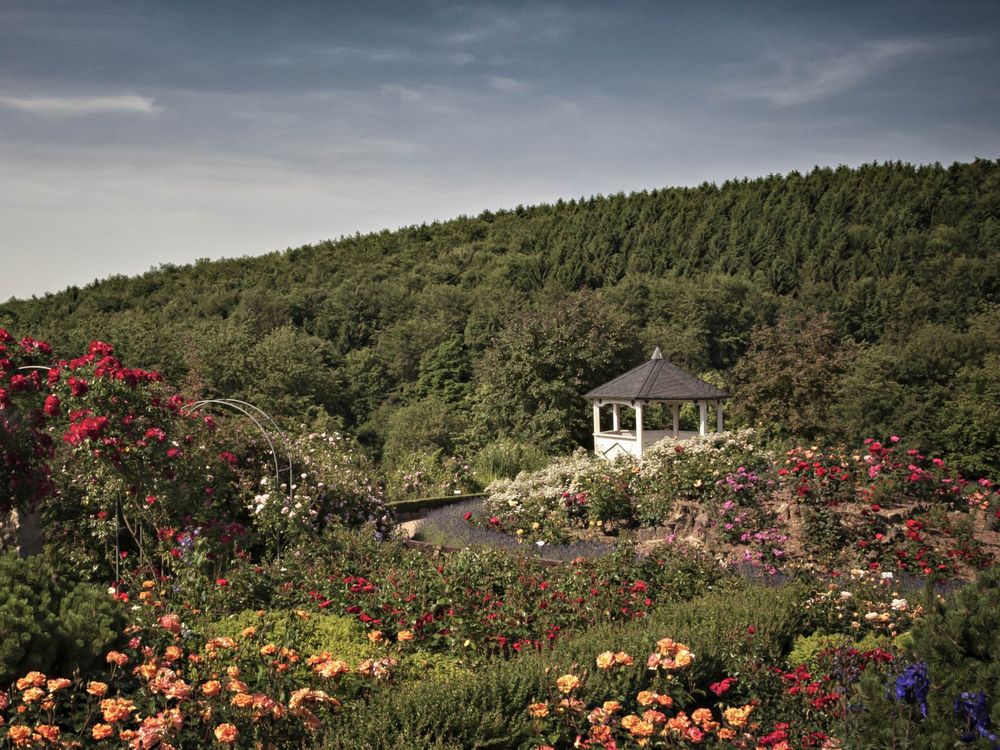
pixel 49 622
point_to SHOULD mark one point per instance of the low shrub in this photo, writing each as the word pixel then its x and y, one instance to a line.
pixel 49 622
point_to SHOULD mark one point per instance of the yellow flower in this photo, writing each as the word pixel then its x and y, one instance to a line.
pixel 249 632
pixel 605 660
pixel 738 716
pixel 226 734
pixel 404 635
pixel 645 698
pixel 611 707
pixel 684 658
pixel 375 636
pixel 568 683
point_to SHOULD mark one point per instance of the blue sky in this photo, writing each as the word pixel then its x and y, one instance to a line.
pixel 138 133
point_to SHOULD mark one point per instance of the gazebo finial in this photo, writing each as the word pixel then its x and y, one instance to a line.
pixel 657 354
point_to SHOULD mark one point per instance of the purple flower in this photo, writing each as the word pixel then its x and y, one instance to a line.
pixel 912 686
pixel 973 710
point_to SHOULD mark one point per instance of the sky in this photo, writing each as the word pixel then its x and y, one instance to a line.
pixel 139 133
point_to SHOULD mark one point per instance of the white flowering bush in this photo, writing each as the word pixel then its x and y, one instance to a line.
pixel 539 503
pixel 583 488
pixel 332 482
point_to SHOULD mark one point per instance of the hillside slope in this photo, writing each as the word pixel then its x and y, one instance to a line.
pixel 879 283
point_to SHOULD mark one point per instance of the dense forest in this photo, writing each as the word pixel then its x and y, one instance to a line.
pixel 834 305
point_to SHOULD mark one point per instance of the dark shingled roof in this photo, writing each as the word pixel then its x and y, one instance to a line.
pixel 656 380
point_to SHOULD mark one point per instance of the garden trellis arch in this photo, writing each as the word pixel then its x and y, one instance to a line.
pixel 243 407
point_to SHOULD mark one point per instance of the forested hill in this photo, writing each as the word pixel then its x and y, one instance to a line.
pixel 835 304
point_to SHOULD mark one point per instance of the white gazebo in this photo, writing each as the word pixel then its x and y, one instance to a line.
pixel 654 382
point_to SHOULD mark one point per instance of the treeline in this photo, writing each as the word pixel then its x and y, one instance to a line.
pixel 835 304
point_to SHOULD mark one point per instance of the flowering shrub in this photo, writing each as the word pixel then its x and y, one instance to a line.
pixel 539 502
pixel 863 602
pixel 170 687
pixel 25 446
pixel 431 474
pixel 697 470
pixel 334 483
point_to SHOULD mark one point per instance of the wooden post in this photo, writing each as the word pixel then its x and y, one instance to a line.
pixel 638 428
pixel 718 416
pixel 677 418
pixel 703 422
pixel 616 422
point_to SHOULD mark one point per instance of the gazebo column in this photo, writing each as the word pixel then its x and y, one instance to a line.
pixel 676 409
pixel 616 422
pixel 718 416
pixel 703 422
pixel 638 428
pixel 597 418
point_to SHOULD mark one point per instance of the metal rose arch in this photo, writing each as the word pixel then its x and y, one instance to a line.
pixel 248 409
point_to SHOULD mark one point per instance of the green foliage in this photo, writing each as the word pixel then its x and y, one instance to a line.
pixel 806 649
pixel 959 641
pixel 787 380
pixel 532 377
pixel 505 459
pixel 50 623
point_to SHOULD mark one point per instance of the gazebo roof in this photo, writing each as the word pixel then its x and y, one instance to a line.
pixel 656 380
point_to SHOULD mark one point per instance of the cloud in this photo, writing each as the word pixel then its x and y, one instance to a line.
pixel 811 77
pixel 507 85
pixel 76 106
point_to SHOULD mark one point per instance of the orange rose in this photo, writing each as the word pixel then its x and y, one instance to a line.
pixel 102 731
pixel 568 683
pixel 33 694
pixel 19 735
pixel 32 679
pixel 375 636
pixel 702 715
pixel 117 658
pixel 48 732
pixel 242 700
pixel 173 653
pixel 97 689
pixel 249 632
pixel 116 709
pixel 404 635
pixel 211 688
pixel 58 684
pixel 539 710
pixel 226 734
